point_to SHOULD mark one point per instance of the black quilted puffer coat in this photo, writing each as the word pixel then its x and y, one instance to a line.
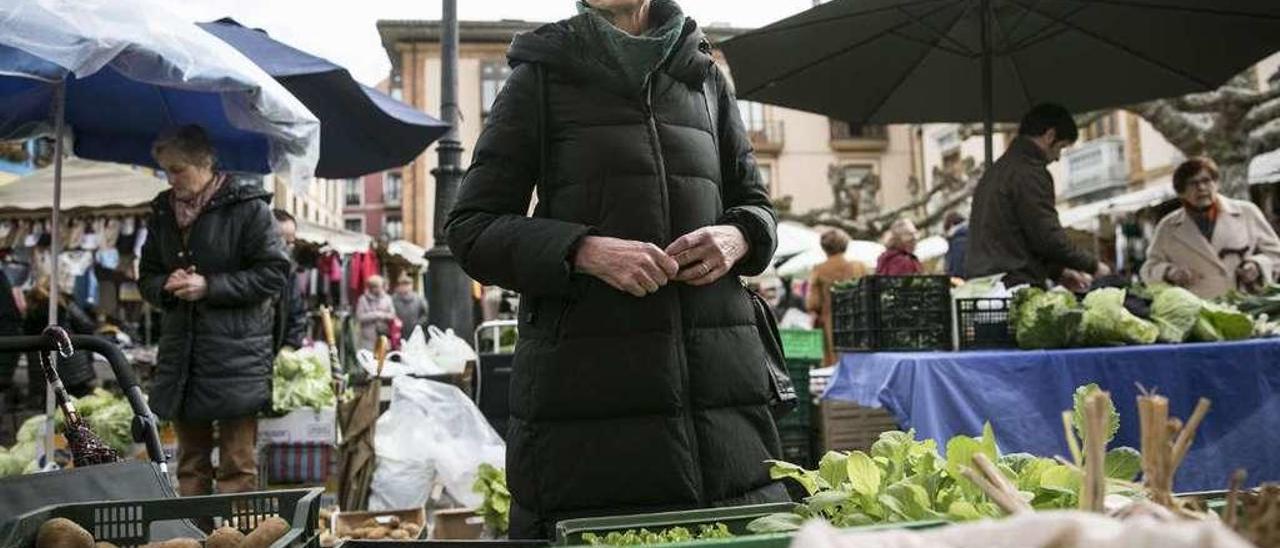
pixel 215 354
pixel 621 404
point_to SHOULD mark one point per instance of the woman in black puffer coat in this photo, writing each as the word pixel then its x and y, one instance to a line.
pixel 639 379
pixel 213 262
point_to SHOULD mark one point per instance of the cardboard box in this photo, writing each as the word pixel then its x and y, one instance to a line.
pixel 457 524
pixel 300 426
pixel 346 522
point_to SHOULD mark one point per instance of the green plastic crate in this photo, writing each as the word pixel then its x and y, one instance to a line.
pixel 128 523
pixel 569 532
pixel 783 540
pixel 802 344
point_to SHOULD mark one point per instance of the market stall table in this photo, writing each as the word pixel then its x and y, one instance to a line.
pixel 1023 393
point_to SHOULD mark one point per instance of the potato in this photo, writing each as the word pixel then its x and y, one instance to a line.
pixel 361 532
pixel 370 523
pixel 399 534
pixel 379 533
pixel 225 537
pixel 412 528
pixel 327 540
pixel 175 543
pixel 269 531
pixel 63 533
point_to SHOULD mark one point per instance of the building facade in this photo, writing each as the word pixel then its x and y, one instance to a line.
pixel 799 153
pixel 374 205
pixel 319 202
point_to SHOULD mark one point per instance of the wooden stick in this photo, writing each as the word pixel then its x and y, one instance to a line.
pixel 1072 444
pixel 1188 433
pixel 1001 482
pixel 1233 498
pixel 1011 505
pixel 1094 488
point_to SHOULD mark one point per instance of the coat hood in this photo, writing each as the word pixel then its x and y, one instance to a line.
pixel 566 47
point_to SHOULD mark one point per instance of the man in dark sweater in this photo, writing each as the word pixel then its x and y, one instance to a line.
pixel 1014 228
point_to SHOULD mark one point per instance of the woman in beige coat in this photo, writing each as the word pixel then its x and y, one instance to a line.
pixel 1212 244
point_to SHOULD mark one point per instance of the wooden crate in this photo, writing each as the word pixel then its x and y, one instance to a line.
pixel 846 426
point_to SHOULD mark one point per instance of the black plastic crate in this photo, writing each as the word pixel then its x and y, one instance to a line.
pixel 797 445
pixel 128 523
pixel 984 323
pixel 893 313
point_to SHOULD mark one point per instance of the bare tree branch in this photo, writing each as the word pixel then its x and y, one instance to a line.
pixel 1262 113
pixel 1177 126
pixel 1214 101
pixel 1266 138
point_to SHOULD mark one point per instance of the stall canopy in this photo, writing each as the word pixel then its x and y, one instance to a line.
pixel 85 184
pixel 1265 168
pixel 342 241
pixel 412 253
pixel 1086 217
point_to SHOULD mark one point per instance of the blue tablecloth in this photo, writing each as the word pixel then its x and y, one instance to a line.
pixel 1023 394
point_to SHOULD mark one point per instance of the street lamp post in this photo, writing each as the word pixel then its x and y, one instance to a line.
pixel 448 287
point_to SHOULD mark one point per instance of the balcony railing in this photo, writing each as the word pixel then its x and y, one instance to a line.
pixel 1095 167
pixel 766 136
pixel 846 136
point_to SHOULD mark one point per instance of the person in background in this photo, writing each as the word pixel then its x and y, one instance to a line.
pixel 410 307
pixel 291 307
pixel 956 228
pixel 1014 228
pixel 213 262
pixel 834 270
pixel 1213 244
pixel 374 311
pixel 900 259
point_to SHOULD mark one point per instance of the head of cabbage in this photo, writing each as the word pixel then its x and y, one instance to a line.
pixel 1044 319
pixel 1107 322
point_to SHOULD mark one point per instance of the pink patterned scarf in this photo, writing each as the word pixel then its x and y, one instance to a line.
pixel 186 211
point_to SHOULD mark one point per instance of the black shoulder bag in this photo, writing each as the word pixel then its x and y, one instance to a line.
pixel 783 398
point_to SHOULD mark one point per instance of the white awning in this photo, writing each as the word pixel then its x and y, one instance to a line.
pixel 412 253
pixel 1086 217
pixel 85 184
pixel 343 241
pixel 1265 168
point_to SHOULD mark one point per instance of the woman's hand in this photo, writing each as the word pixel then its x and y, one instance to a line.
pixel 192 287
pixel 1181 277
pixel 708 253
pixel 638 268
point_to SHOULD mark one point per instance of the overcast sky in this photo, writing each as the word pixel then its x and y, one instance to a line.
pixel 344 31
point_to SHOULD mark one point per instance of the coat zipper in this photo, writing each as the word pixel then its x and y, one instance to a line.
pixel 687 404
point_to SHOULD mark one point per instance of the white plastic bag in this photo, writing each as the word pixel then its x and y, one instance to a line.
pixel 416 355
pixel 430 427
pixel 449 351
pixel 400 484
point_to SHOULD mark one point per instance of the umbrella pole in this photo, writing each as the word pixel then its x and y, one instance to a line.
pixel 988 101
pixel 55 244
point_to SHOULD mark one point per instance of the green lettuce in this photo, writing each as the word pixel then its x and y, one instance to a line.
pixel 1175 310
pixel 1219 322
pixel 1106 322
pixel 1044 319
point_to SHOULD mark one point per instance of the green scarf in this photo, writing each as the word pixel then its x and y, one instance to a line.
pixel 635 57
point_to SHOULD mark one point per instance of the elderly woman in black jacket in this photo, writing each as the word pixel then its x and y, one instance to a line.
pixel 213 262
pixel 639 380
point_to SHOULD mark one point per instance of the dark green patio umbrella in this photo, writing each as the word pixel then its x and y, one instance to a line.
pixel 921 61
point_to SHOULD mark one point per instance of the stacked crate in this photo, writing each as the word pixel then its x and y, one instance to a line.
pixel 803 351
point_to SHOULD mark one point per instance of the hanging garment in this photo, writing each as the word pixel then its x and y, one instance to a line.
pixel 110 232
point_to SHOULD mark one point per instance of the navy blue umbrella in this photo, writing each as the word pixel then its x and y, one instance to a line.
pixel 362 129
